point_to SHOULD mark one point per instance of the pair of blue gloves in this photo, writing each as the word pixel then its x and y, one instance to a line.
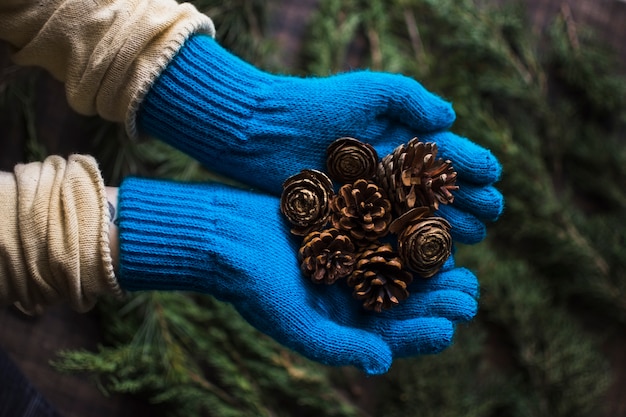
pixel 260 129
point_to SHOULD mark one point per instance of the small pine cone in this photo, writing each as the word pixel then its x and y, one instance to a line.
pixel 327 256
pixel 378 278
pixel 425 244
pixel 305 201
pixel 411 216
pixel 362 210
pixel 412 176
pixel 349 159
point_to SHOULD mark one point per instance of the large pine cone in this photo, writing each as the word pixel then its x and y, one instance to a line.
pixel 349 159
pixel 327 256
pixel 425 244
pixel 413 176
pixel 379 279
pixel 362 210
pixel 305 201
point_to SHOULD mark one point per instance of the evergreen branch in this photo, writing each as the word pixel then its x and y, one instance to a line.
pixel 551 114
pixel 572 34
pixel 377 56
pixel 414 36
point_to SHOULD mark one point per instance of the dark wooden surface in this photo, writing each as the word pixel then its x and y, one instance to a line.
pixel 33 342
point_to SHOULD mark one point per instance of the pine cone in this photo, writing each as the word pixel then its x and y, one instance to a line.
pixel 412 176
pixel 411 216
pixel 424 244
pixel 305 201
pixel 362 210
pixel 349 159
pixel 327 256
pixel 378 278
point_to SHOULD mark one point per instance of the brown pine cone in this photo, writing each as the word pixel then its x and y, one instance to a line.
pixel 411 216
pixel 413 176
pixel 425 244
pixel 305 201
pixel 362 210
pixel 378 278
pixel 349 159
pixel 327 256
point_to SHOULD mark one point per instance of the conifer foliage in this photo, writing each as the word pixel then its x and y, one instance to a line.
pixel 552 270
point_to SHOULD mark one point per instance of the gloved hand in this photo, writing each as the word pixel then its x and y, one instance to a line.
pixel 260 128
pixel 233 244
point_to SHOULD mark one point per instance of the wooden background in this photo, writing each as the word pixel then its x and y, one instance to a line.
pixel 33 341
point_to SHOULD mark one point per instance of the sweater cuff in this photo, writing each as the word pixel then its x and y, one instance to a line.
pixel 108 54
pixel 55 245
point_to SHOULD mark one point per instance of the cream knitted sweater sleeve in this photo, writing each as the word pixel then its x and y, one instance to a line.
pixel 54 245
pixel 107 52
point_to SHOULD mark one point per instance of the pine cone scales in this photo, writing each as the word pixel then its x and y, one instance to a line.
pixel 378 278
pixel 424 245
pixel 305 201
pixel 350 159
pixel 327 256
pixel 413 176
pixel 362 210
pixel 398 194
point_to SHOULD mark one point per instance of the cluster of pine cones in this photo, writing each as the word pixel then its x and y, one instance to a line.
pixel 349 233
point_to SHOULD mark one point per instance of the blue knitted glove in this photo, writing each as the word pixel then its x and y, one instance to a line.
pixel 260 128
pixel 233 244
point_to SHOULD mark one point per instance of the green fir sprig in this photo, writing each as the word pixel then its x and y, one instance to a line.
pixel 551 110
pixel 551 107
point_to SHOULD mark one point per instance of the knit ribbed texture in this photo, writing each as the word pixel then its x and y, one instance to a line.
pixel 235 245
pixel 207 102
pixel 169 234
pixel 260 128
pixel 54 245
pixel 107 53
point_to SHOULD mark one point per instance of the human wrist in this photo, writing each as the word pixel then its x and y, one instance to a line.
pixel 111 193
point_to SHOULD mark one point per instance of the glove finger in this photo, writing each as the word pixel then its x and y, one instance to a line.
pixel 466 228
pixel 449 264
pixel 404 100
pixel 319 338
pixel 451 294
pixel 473 163
pixel 418 336
pixel 484 202
pixel 453 305
pixel 456 279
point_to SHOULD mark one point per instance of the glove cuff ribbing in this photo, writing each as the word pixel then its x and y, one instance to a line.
pixel 164 235
pixel 205 94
